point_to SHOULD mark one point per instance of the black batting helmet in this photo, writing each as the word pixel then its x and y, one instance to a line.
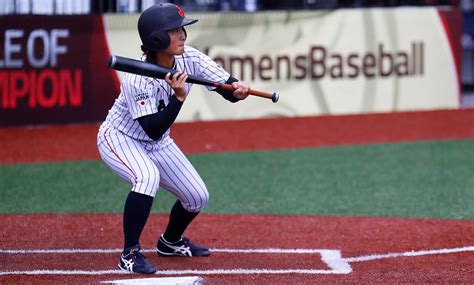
pixel 155 21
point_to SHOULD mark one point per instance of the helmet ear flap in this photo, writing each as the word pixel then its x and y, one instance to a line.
pixel 161 39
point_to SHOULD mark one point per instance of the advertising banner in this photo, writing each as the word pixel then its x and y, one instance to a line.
pixel 346 61
pixel 53 69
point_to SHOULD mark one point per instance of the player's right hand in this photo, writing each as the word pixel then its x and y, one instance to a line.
pixel 178 84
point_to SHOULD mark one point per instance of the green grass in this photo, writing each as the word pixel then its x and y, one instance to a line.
pixel 423 179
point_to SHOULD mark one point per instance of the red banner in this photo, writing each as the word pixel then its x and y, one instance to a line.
pixel 53 69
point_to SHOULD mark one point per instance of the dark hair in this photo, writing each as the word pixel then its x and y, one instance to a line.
pixel 150 56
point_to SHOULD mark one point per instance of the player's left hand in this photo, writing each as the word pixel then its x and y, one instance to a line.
pixel 241 89
pixel 177 82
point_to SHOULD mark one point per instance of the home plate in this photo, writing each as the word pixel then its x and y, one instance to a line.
pixel 159 281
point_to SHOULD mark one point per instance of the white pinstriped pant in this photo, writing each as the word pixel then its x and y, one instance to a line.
pixel 150 165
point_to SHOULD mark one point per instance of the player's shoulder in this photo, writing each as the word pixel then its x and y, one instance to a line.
pixel 191 50
pixel 192 54
pixel 136 80
pixel 135 83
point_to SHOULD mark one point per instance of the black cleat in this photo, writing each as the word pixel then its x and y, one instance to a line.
pixel 133 260
pixel 183 247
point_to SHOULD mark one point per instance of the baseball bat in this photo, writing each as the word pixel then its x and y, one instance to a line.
pixel 152 70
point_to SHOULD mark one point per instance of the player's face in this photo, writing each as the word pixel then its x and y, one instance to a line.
pixel 177 39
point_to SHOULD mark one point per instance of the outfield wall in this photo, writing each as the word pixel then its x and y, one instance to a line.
pixel 347 61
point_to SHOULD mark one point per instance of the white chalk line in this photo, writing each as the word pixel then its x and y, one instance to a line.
pixel 409 253
pixel 188 280
pixel 333 258
pixel 118 250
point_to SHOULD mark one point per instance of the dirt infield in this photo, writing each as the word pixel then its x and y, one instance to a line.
pixel 247 249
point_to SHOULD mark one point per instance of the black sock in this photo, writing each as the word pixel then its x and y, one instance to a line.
pixel 179 221
pixel 136 211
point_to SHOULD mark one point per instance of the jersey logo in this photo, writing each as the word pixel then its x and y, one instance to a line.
pixel 140 98
pixel 180 11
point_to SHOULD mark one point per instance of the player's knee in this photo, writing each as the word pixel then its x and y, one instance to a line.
pixel 148 184
pixel 204 200
pixel 198 202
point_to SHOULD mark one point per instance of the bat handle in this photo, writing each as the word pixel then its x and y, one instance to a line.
pixel 273 96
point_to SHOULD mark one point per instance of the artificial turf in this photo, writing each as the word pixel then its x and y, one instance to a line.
pixel 422 179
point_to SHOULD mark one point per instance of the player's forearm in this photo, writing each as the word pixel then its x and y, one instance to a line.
pixel 155 125
pixel 228 95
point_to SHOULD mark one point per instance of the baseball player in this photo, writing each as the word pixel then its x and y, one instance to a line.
pixel 134 139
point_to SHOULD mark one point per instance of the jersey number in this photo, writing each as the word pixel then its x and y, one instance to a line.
pixel 161 105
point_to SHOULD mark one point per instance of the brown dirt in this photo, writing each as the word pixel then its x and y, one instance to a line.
pixel 78 142
pixel 353 236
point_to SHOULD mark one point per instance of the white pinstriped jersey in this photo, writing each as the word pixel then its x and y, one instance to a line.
pixel 141 95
